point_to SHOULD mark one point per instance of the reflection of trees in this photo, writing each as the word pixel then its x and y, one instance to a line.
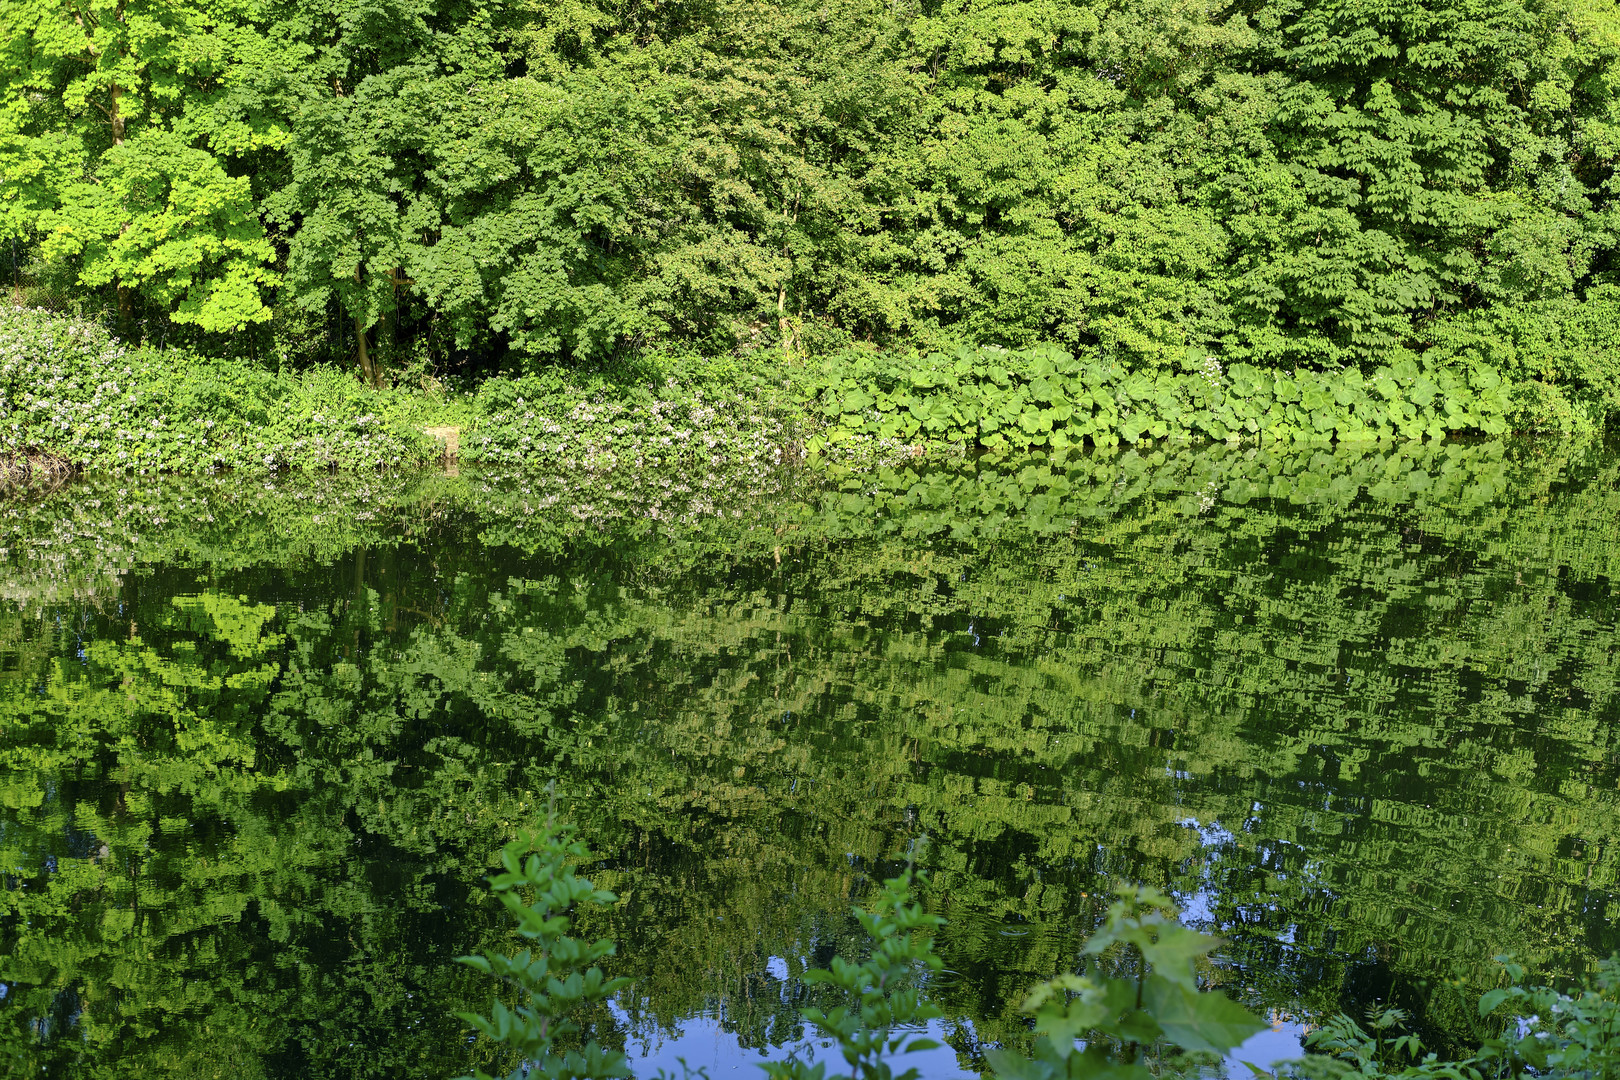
pixel 172 889
pixel 1394 706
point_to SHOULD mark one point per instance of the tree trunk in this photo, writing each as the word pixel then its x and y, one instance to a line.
pixel 790 336
pixel 126 311
pixel 116 117
pixel 782 324
pixel 368 370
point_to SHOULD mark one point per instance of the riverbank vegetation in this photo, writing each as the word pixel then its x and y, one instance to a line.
pixel 1316 191
pixel 72 397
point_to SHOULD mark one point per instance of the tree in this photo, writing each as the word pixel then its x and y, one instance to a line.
pixel 122 139
pixel 364 80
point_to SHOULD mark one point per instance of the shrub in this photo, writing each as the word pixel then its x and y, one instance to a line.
pixel 1045 397
pixel 570 420
pixel 556 974
pixel 70 389
pixel 1562 356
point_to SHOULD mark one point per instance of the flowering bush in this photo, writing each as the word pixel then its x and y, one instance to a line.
pixel 69 389
pixel 667 417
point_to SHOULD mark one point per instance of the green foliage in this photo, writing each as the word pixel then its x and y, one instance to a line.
pixel 1302 187
pixel 1046 398
pixel 123 136
pixel 167 219
pixel 1540 1032
pixel 1156 1004
pixel 68 388
pixel 660 415
pixel 556 974
pixel 886 988
pixel 382 105
pixel 1551 1032
pixel 1153 1004
pixel 1559 354
pixel 1384 1050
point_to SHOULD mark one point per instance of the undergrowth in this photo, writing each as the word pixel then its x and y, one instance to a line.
pixel 659 411
pixel 72 394
pixel 68 389
pixel 1045 397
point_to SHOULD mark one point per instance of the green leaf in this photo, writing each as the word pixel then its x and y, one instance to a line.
pixel 1198 1021
pixel 1009 1066
pixel 857 401
pixel 1491 1000
pixel 1175 951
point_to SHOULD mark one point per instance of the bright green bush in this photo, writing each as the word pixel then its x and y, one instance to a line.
pixel 1046 397
pixel 1562 355
pixel 555 975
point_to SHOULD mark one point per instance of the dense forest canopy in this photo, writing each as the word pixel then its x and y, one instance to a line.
pixel 1284 182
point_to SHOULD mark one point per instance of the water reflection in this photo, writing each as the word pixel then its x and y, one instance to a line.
pixel 257 746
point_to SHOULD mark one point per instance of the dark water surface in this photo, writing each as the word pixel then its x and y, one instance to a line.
pixel 259 742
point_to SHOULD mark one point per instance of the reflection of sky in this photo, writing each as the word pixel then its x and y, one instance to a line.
pixel 1283 1040
pixel 704 1044
pixel 1197 907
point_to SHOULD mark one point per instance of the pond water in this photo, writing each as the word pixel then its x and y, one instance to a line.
pixel 259 742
